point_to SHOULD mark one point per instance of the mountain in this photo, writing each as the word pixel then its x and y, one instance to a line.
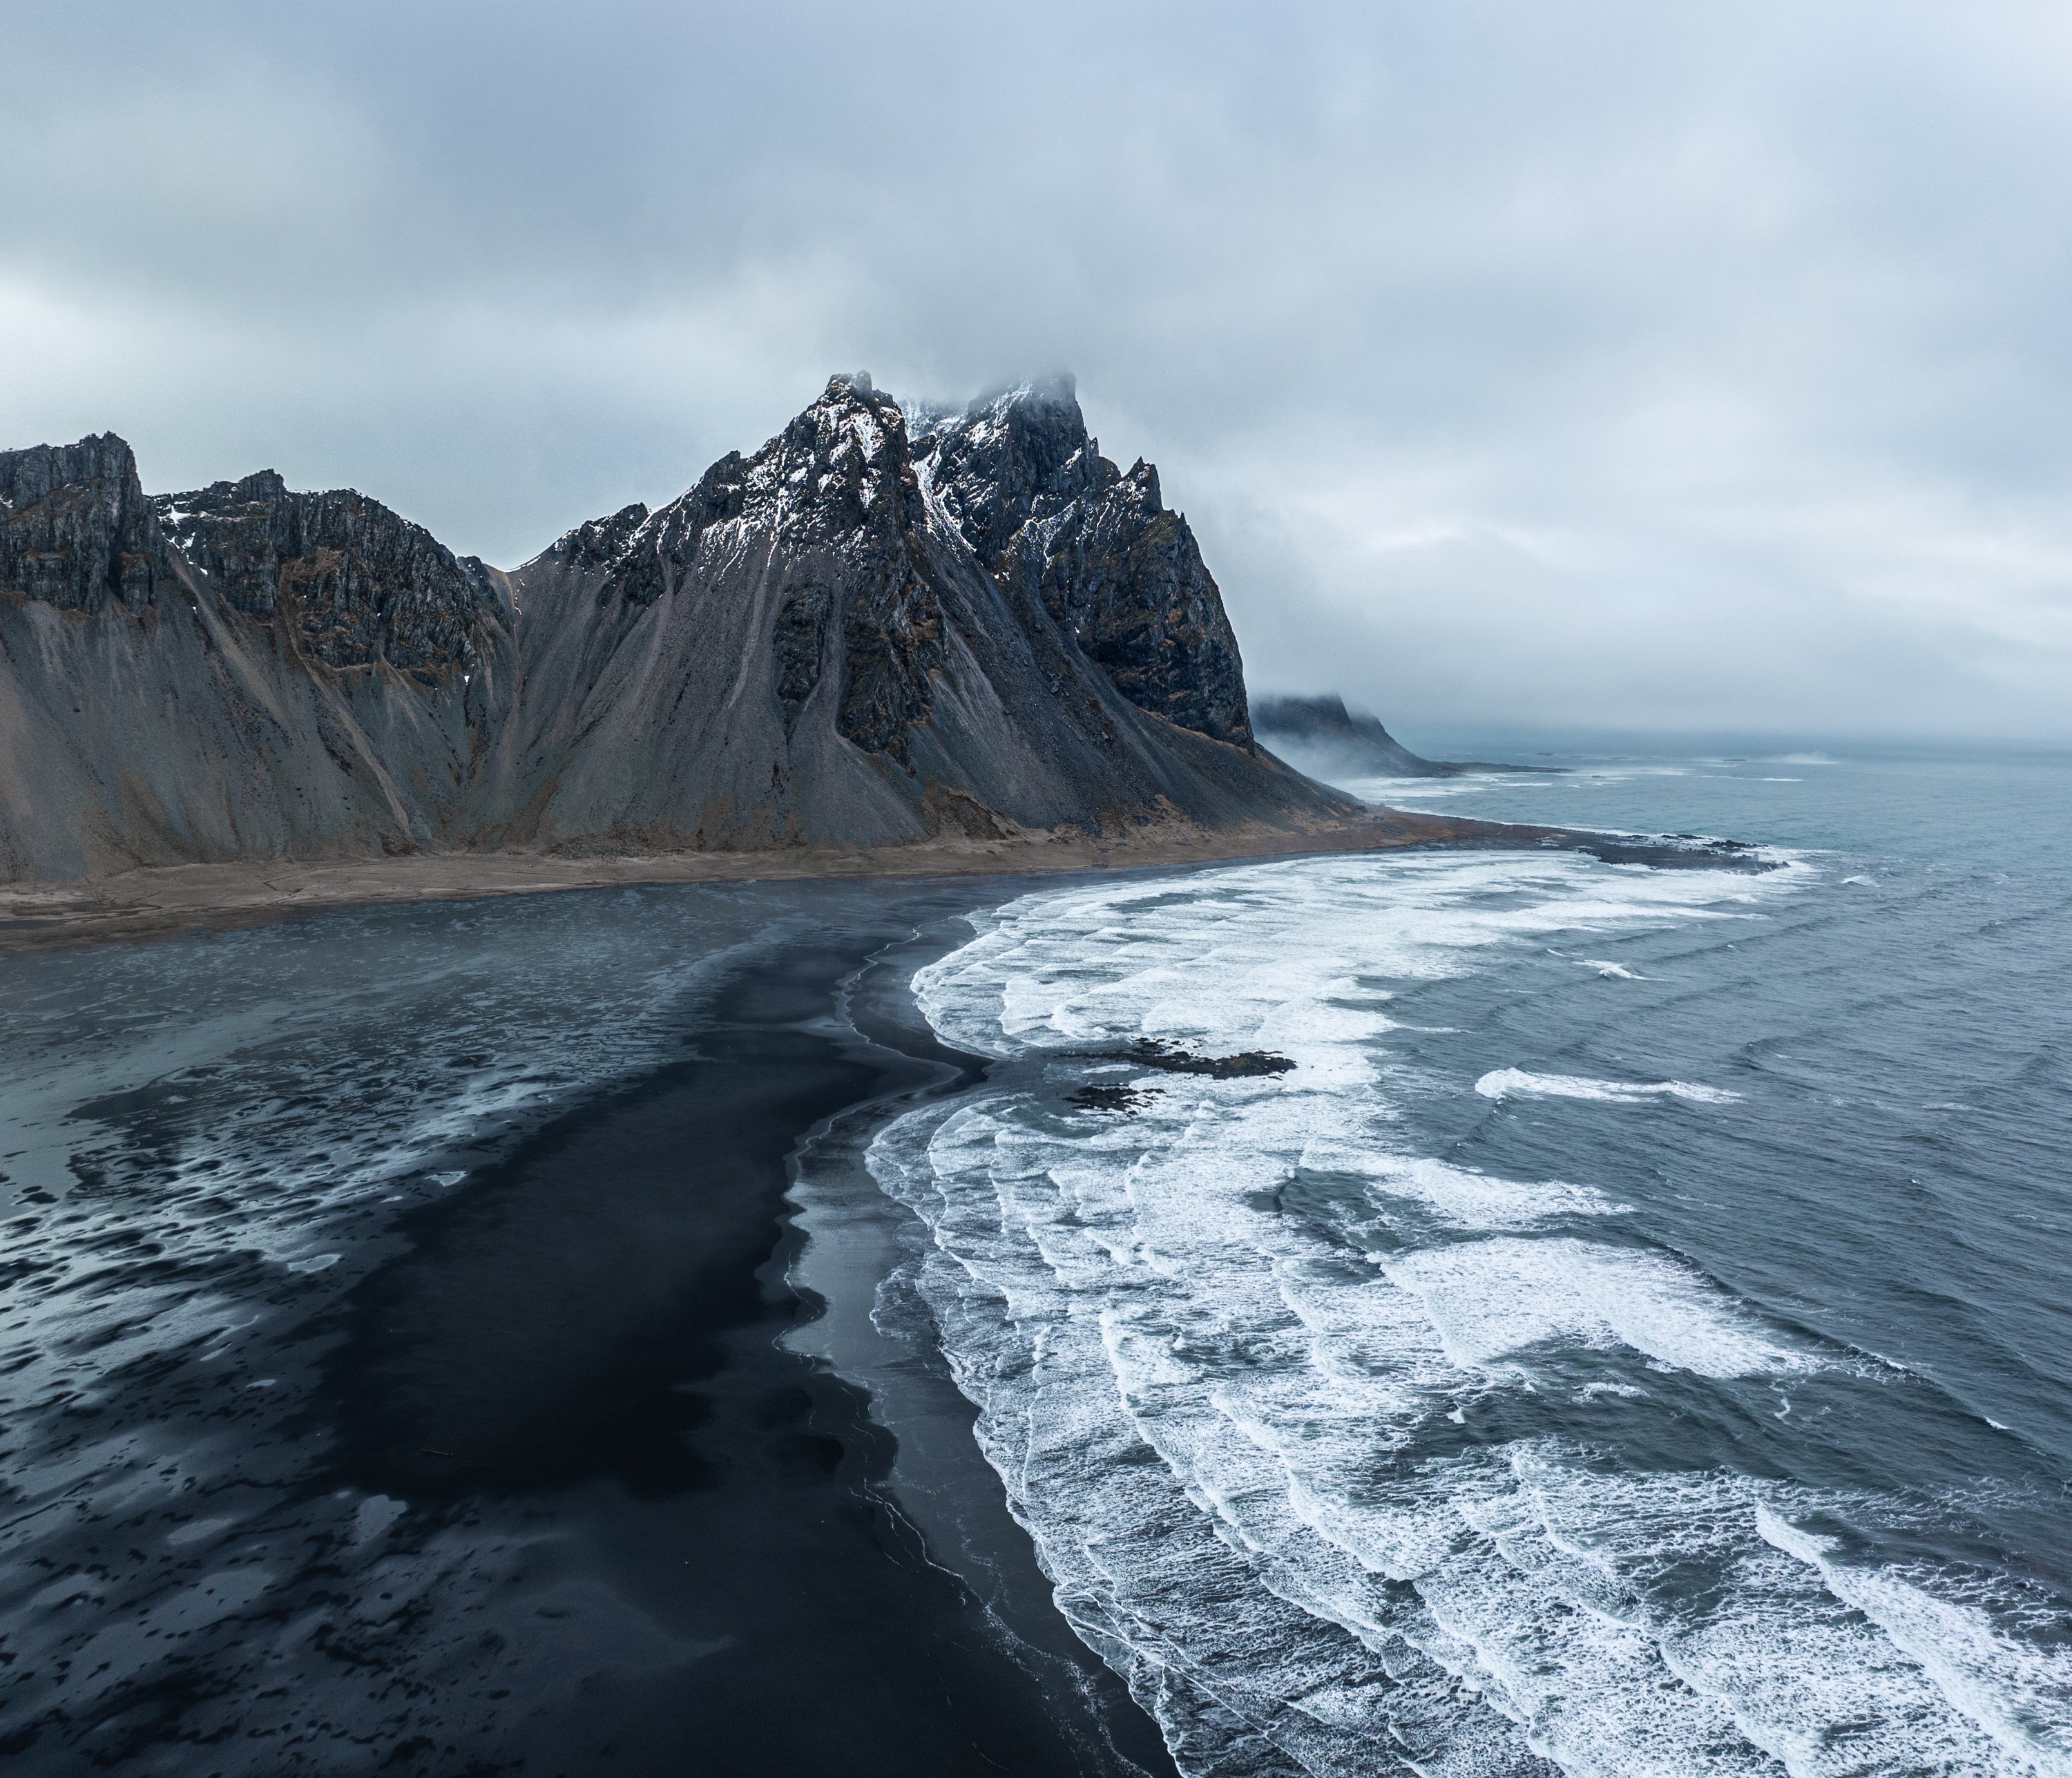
pixel 1324 737
pixel 870 633
pixel 237 671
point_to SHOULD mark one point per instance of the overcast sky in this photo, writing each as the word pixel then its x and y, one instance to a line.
pixel 1624 364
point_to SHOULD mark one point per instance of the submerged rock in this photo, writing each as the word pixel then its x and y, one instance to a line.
pixel 1130 1100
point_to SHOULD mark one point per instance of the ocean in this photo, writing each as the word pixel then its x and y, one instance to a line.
pixel 1631 1335
pixel 1632 1338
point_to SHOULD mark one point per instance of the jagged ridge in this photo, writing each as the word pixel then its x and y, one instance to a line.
pixel 1048 515
pixel 356 583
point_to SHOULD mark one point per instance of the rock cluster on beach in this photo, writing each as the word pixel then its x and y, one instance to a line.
pixel 878 629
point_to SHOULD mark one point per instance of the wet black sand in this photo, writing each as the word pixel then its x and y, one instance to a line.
pixel 603 1520
pixel 594 1333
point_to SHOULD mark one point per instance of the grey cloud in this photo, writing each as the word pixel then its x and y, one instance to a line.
pixel 1611 363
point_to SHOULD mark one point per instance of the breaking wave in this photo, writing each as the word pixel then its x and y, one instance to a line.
pixel 1516 1084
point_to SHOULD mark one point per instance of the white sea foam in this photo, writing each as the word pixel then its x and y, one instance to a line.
pixel 1490 1299
pixel 1280 949
pixel 1517 1084
pixel 2018 1693
pixel 1240 1435
pixel 1457 1195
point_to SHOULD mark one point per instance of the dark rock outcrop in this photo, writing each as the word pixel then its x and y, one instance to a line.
pixel 843 509
pixel 313 680
pixel 76 530
pixel 351 582
pixel 600 541
pixel 1325 738
pixel 1153 1052
pixel 858 636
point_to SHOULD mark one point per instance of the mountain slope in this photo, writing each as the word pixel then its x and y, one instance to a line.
pixel 305 682
pixel 806 648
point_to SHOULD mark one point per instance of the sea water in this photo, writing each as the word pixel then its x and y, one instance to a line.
pixel 1632 1336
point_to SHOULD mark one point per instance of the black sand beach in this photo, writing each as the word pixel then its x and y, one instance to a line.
pixel 622 1527
pixel 153 901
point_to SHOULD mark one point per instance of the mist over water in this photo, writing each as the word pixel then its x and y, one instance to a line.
pixel 1630 1340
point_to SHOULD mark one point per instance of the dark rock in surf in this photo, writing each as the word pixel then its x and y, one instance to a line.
pixel 1128 1099
pixel 1152 1052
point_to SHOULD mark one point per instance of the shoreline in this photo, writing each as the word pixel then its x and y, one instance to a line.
pixel 559 1476
pixel 159 901
pixel 849 1253
pixel 639 1381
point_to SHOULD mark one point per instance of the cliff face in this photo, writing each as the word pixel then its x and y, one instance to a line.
pixel 1323 737
pixel 858 636
pixel 1329 738
pixel 76 530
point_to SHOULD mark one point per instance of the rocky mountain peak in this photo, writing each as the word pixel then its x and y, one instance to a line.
pixel 828 520
pixel 839 477
pixel 262 485
pixel 850 491
pixel 836 494
pixel 844 465
pixel 76 530
pixel 597 543
pixel 991 465
pixel 1050 516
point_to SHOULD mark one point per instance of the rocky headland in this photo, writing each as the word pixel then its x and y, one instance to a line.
pixel 1325 737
